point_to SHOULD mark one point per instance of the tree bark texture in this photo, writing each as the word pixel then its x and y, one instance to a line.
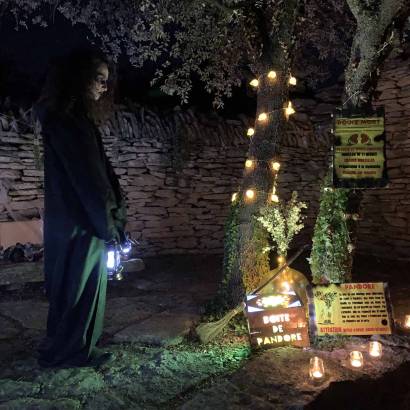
pixel 272 97
pixel 378 21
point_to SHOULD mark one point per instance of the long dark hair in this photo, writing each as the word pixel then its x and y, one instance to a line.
pixel 66 86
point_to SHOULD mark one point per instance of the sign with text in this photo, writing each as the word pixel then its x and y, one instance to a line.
pixel 359 152
pixel 350 309
pixel 272 323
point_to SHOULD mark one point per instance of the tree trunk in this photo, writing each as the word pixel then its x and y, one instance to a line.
pixel 250 263
pixel 371 45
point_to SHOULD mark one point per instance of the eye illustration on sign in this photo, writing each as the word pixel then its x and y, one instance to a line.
pixel 359 139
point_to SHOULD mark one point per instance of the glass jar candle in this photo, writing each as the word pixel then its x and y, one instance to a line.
pixel 316 368
pixel 356 358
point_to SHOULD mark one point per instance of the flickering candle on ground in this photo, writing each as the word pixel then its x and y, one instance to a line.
pixel 407 321
pixel 375 349
pixel 356 359
pixel 316 368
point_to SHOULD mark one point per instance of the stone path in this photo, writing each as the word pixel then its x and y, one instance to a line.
pixel 156 305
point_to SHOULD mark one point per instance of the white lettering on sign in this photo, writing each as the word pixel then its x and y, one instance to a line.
pixel 292 337
pixel 283 317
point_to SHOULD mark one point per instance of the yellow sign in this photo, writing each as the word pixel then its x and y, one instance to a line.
pixel 351 309
pixel 359 150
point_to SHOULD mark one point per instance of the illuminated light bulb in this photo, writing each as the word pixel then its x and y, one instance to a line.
pixel 234 196
pixel 274 198
pixel 250 194
pixel 254 82
pixel 250 132
pixel 407 322
pixel 249 163
pixel 356 358
pixel 286 286
pixel 316 368
pixel 272 75
pixel 281 260
pixel 375 349
pixel 263 116
pixel 289 110
pixel 292 80
pixel 111 259
pixel 275 166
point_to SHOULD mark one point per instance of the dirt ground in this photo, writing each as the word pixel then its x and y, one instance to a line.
pixel 224 374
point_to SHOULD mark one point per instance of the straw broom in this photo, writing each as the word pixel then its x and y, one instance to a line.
pixel 208 331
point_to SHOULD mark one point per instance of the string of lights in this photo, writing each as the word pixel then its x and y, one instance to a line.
pixel 250 194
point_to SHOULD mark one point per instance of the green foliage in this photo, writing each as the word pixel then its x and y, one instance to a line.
pixel 330 259
pixel 254 261
pixel 231 239
pixel 283 221
pixel 217 306
pixel 329 342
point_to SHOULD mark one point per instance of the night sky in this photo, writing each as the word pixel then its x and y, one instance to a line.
pixel 25 56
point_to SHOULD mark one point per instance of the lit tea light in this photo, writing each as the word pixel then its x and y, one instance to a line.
pixel 250 132
pixel 375 349
pixel 356 358
pixel 316 368
pixel 407 321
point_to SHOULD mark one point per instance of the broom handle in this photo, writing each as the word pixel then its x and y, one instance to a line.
pixel 284 266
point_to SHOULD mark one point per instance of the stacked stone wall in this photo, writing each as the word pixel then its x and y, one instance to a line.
pixel 178 171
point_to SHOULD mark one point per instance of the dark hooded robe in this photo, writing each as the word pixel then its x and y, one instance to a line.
pixel 83 210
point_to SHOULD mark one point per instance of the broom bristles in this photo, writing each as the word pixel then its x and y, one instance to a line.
pixel 208 331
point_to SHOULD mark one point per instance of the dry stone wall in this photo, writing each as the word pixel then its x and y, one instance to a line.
pixel 178 171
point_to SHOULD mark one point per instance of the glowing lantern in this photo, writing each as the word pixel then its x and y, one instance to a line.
pixel 262 116
pixel 316 368
pixel 250 132
pixel 250 194
pixel 289 110
pixel 375 349
pixel 356 358
pixel 254 82
pixel 272 75
pixel 292 80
